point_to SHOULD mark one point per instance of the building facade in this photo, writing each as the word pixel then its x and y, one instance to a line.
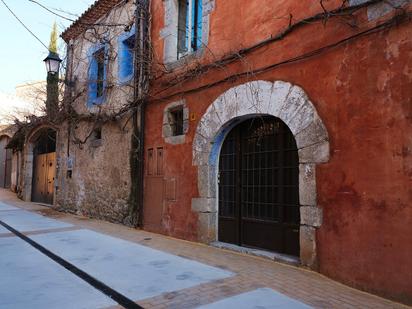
pixel 94 144
pixel 283 127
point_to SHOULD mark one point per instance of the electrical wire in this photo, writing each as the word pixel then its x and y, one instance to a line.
pixel 396 20
pixel 51 11
pixel 73 20
pixel 21 22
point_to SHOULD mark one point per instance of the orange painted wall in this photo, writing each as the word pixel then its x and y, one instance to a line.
pixel 361 89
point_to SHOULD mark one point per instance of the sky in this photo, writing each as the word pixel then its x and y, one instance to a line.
pixel 21 55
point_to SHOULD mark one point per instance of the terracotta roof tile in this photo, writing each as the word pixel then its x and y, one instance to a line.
pixel 97 10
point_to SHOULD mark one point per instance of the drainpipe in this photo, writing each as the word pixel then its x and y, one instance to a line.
pixel 141 88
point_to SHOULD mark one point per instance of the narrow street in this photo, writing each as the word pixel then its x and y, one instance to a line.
pixel 152 270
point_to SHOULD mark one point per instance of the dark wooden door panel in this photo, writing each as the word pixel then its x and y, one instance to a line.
pixel 258 186
pixel 9 154
pixel 153 204
pixel 50 176
pixel 3 161
pixel 228 230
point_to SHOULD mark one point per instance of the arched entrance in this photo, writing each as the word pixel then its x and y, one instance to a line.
pixel 259 186
pixel 40 165
pixel 5 162
pixel 291 105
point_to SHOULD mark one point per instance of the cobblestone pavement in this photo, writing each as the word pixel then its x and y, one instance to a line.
pixel 251 273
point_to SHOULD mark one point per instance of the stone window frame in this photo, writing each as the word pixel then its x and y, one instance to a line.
pixel 167 131
pixel 286 102
pixel 377 10
pixel 170 33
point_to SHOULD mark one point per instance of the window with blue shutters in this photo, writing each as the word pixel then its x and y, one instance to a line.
pixel 189 29
pixel 97 75
pixel 126 56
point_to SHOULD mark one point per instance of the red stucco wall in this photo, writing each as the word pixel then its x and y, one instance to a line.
pixel 361 89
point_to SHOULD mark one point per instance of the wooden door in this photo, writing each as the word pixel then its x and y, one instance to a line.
pixel 259 187
pixel 154 190
pixel 43 178
pixel 7 180
pixel 4 169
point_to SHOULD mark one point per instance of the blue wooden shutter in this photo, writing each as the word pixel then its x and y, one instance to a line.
pixel 197 11
pixel 92 78
pixel 126 58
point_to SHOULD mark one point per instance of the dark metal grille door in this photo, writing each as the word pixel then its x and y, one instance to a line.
pixel 258 187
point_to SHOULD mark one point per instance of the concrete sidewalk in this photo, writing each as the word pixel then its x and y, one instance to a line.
pixel 162 272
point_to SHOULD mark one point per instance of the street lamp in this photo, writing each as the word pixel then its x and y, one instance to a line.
pixel 52 62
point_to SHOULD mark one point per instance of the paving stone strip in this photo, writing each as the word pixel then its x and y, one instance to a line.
pixel 116 296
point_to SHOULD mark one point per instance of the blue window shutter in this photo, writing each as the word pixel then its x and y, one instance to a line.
pixel 93 75
pixel 194 26
pixel 199 23
pixel 197 10
pixel 92 81
pixel 188 40
pixel 126 57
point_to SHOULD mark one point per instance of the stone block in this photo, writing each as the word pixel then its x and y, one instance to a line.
pixel 311 216
pixel 308 255
pixel 318 153
pixel 207 227
pixel 204 205
pixel 312 134
pixel 307 184
pixel 201 151
pixel 207 181
pixel 280 92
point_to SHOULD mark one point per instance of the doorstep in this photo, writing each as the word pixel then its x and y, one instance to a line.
pixel 278 257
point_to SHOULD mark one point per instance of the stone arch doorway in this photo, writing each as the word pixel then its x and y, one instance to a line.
pixel 40 165
pixel 5 162
pixel 258 186
pixel 291 105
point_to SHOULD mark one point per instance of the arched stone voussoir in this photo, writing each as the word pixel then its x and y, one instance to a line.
pixel 280 99
pixel 314 133
pixel 32 134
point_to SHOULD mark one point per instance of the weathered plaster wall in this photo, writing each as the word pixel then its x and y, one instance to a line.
pixel 99 186
pixel 362 91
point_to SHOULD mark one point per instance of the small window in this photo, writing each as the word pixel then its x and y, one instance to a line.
pixel 176 121
pixel 126 56
pixel 189 32
pixel 96 137
pixel 97 133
